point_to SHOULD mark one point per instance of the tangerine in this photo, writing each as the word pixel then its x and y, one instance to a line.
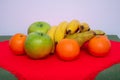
pixel 68 49
pixel 99 45
pixel 16 43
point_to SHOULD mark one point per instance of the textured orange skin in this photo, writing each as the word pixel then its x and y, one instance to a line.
pixel 16 43
pixel 99 45
pixel 68 49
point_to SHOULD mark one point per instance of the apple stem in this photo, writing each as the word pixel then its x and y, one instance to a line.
pixel 41 25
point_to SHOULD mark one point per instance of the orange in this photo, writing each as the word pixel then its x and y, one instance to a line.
pixel 99 45
pixel 16 43
pixel 68 49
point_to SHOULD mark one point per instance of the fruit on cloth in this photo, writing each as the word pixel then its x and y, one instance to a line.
pixel 81 37
pixel 39 27
pixel 99 45
pixel 51 33
pixel 68 49
pixel 73 26
pixel 65 39
pixel 60 31
pixel 38 45
pixel 16 43
pixel 84 27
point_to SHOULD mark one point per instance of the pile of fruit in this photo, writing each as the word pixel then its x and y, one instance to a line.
pixel 65 40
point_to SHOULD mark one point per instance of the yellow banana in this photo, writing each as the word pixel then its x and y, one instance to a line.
pixel 60 31
pixel 51 33
pixel 81 38
pixel 84 27
pixel 99 32
pixel 73 26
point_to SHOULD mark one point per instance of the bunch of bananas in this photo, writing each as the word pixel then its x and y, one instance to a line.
pixel 72 30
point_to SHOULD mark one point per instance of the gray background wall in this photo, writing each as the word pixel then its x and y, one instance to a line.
pixel 17 15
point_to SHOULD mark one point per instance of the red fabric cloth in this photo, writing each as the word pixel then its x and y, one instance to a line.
pixel 86 67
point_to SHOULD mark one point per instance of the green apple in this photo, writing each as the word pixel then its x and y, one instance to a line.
pixel 39 27
pixel 38 45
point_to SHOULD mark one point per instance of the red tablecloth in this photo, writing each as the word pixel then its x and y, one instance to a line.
pixel 86 67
